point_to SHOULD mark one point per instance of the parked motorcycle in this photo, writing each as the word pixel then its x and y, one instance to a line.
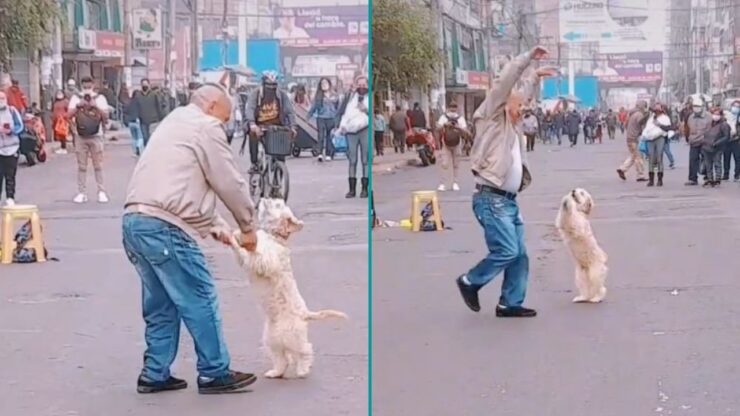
pixel 423 142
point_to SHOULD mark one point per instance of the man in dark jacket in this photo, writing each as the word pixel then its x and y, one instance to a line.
pixel 267 105
pixel 398 127
pixel 559 124
pixel 418 119
pixel 572 124
pixel 149 109
pixel 110 96
pixel 712 146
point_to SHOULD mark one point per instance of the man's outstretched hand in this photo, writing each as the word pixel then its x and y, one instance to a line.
pixel 539 53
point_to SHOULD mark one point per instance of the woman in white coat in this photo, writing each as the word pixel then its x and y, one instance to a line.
pixel 657 129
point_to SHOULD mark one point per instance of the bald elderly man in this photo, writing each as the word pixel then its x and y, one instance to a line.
pixel 170 204
pixel 500 173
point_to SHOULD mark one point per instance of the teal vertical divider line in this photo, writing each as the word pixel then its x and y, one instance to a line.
pixel 371 140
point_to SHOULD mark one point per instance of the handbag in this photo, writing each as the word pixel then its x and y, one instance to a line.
pixel 643 146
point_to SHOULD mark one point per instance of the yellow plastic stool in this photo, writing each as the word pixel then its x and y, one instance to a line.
pixel 418 198
pixel 7 238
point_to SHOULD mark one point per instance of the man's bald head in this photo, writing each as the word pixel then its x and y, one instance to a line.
pixel 213 100
pixel 514 105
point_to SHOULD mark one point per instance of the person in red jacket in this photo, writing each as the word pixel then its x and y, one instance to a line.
pixel 60 121
pixel 16 97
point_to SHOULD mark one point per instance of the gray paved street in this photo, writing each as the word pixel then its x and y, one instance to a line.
pixel 665 342
pixel 72 333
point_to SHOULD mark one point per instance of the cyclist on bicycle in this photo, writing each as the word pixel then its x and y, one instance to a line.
pixel 266 106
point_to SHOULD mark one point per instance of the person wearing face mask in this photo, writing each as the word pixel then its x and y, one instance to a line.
pixel 149 107
pixel 712 147
pixel 354 119
pixel 60 121
pixel 266 106
pixel 500 172
pixel 90 112
pixel 697 125
pixel 732 148
pixel 324 109
pixel 11 125
pixel 164 220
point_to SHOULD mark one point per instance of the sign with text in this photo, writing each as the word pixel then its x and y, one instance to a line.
pixel 147 28
pixel 322 26
pixel 630 68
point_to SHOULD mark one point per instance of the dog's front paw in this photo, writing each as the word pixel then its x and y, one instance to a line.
pixel 274 374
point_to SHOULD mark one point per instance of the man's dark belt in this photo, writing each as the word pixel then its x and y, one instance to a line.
pixel 491 189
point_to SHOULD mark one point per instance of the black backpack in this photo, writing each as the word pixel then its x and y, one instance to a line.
pixel 452 135
pixel 88 121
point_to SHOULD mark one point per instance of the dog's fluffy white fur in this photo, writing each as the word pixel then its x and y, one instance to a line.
pixel 575 229
pixel 285 335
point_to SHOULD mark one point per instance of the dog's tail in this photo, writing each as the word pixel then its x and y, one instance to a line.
pixel 324 314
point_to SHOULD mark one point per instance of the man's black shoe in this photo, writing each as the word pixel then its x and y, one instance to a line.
pixel 146 386
pixel 515 312
pixel 691 183
pixel 230 383
pixel 469 295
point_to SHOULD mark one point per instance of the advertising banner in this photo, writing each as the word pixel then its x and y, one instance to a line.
pixel 630 68
pixel 634 24
pixel 147 28
pixel 322 26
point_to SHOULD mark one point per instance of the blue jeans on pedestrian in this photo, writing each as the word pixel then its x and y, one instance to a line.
pixel 667 151
pixel 176 285
pixel 503 229
pixel 137 139
pixel 325 125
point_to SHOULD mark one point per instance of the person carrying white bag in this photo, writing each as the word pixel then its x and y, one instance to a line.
pixel 657 129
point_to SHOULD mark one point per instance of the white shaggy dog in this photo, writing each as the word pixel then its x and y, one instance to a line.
pixel 575 229
pixel 285 335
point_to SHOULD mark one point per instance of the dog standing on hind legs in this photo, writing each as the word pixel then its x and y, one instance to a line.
pixel 270 271
pixel 575 228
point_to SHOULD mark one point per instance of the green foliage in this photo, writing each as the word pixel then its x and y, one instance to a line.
pixel 405 50
pixel 25 25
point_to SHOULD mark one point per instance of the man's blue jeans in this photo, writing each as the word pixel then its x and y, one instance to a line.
pixel 176 285
pixel 503 229
pixel 137 138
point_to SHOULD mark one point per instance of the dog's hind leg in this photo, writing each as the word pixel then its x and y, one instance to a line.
pixel 304 360
pixel 597 278
pixel 581 285
pixel 279 362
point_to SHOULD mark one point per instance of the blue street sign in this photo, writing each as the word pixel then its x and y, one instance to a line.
pixel 573 36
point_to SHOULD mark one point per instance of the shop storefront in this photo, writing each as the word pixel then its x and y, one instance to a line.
pixel 97 54
pixel 468 91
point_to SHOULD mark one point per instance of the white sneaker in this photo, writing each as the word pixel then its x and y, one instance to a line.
pixel 327 158
pixel 80 199
pixel 455 187
pixel 441 188
pixel 61 151
pixel 9 202
pixel 321 158
pixel 102 197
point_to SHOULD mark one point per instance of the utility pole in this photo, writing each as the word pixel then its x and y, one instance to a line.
pixel 438 102
pixel 194 44
pixel 127 43
pixel 242 36
pixel 169 70
pixel 225 34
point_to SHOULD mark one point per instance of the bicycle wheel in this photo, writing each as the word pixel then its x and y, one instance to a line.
pixel 280 181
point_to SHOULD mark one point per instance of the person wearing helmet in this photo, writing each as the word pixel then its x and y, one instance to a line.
pixel 266 106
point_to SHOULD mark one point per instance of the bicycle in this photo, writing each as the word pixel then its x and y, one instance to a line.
pixel 270 179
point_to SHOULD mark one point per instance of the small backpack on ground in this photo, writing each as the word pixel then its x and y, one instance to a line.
pixel 452 135
pixel 88 121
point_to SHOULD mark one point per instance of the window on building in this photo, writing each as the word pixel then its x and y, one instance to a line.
pixel 95 13
pixel 467 50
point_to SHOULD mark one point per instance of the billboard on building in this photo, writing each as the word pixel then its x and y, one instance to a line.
pixel 630 68
pixel 147 28
pixel 619 25
pixel 322 26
